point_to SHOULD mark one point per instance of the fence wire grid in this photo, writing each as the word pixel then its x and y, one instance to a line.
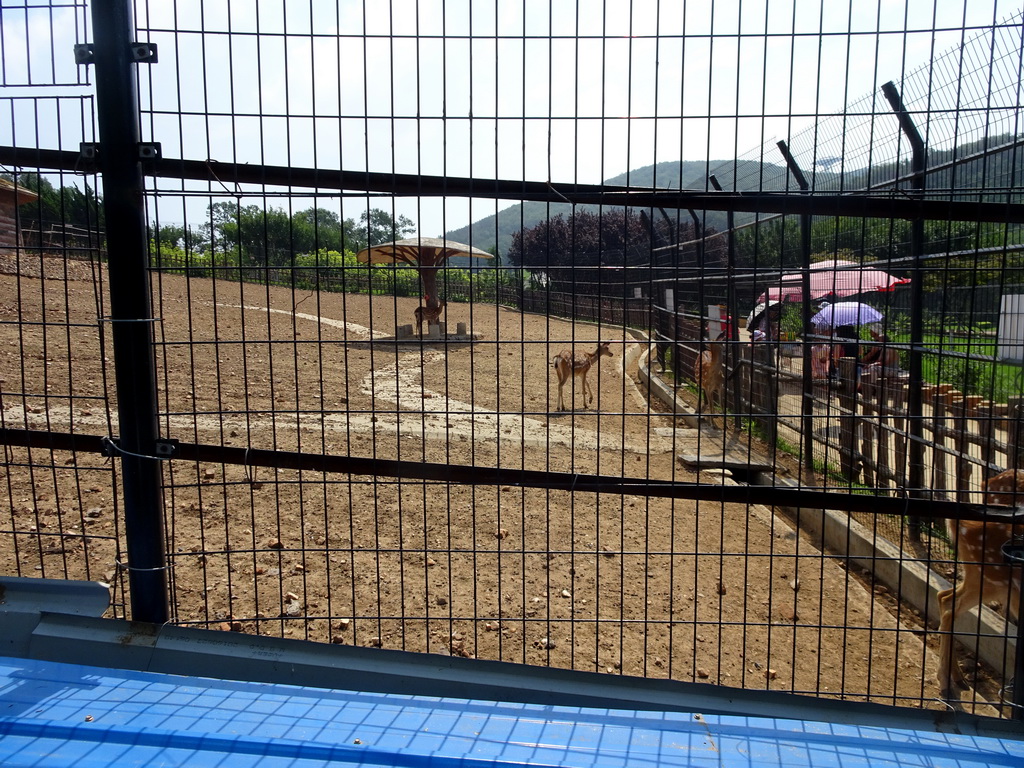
pixel 711 319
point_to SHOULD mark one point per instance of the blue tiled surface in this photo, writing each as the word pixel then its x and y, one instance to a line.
pixel 63 714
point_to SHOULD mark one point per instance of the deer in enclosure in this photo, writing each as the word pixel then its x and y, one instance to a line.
pixel 711 376
pixel 567 365
pixel 986 577
pixel 428 313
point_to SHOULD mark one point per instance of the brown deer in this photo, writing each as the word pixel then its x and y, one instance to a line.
pixel 711 376
pixel 986 577
pixel 567 365
pixel 428 313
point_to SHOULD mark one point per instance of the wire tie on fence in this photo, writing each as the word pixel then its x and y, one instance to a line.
pixel 111 448
pixel 131 569
pixel 250 471
pixel 552 188
pixel 217 178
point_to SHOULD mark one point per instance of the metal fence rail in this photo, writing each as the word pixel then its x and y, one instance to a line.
pixel 210 402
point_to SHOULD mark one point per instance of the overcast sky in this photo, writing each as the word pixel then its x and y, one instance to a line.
pixel 517 89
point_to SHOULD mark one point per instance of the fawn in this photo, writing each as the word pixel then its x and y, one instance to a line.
pixel 978 545
pixel 568 365
pixel 711 376
pixel 428 313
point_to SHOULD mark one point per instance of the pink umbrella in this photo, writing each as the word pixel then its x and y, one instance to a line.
pixel 835 278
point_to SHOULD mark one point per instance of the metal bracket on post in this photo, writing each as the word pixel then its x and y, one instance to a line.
pixel 84 54
pixel 88 157
pixel 144 53
pixel 150 150
pixel 166 448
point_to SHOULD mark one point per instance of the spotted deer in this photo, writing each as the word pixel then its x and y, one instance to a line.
pixel 711 376
pixel 428 313
pixel 567 365
pixel 986 577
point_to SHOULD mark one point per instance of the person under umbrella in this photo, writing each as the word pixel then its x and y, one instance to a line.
pixel 763 322
pixel 842 321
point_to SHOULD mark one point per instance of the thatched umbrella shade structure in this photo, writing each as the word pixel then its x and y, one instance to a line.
pixel 426 254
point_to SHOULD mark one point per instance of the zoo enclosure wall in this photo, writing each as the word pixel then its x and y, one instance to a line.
pixel 308 487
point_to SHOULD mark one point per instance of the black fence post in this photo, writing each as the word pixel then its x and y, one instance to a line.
pixel 731 350
pixel 119 156
pixel 915 404
pixel 807 397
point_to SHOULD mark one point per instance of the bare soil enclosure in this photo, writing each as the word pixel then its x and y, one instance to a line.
pixel 619 584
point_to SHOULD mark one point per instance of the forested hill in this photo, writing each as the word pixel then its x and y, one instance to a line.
pixel 991 164
pixel 498 229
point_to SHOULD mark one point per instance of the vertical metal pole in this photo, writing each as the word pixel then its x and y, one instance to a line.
pixel 915 405
pixel 807 398
pixel 731 351
pixel 698 235
pixel 131 310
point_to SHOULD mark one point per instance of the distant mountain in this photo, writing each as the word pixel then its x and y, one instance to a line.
pixel 749 175
pixel 990 166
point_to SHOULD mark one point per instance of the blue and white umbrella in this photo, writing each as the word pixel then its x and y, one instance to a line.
pixel 846 313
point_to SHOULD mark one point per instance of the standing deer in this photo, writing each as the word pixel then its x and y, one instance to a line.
pixel 711 376
pixel 568 365
pixel 428 313
pixel 986 578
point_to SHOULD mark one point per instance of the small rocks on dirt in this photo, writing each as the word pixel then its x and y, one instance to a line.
pixel 545 643
pixel 292 606
pixel 702 673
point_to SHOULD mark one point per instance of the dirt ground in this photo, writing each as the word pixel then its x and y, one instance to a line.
pixel 619 584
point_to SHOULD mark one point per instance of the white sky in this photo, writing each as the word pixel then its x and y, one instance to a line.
pixel 513 89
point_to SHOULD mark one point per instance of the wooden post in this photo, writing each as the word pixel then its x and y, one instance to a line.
pixel 869 394
pixel 964 467
pixel 1015 439
pixel 884 392
pixel 848 418
pixel 763 390
pixel 900 397
pixel 987 432
pixel 940 472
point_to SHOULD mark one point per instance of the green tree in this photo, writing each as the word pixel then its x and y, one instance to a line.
pixel 381 227
pixel 60 206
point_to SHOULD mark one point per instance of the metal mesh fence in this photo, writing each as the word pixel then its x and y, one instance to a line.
pixel 228 397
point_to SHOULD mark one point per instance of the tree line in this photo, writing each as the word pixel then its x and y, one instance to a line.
pixel 620 245
pixel 272 237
